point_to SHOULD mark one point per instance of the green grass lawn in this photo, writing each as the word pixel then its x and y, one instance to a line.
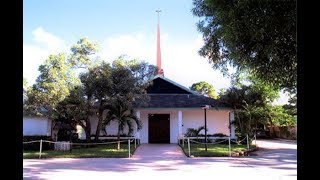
pixel 99 151
pixel 214 150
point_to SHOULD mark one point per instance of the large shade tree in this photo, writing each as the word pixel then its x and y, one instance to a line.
pixel 57 79
pixel 76 109
pixel 98 77
pixel 255 36
pixel 251 103
pixel 52 85
pixel 108 90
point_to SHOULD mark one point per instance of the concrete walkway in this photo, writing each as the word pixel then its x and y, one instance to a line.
pixel 159 151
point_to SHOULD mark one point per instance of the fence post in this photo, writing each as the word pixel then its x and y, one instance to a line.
pixel 189 147
pixel 129 147
pixel 229 147
pixel 248 141
pixel 135 143
pixel 40 148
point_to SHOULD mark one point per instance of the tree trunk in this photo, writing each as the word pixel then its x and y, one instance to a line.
pixel 88 139
pixel 98 126
pixel 99 121
pixel 88 130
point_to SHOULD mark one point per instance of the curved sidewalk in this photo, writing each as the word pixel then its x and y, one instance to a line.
pixel 159 150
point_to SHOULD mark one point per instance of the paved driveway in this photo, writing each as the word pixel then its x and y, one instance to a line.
pixel 275 163
pixel 159 150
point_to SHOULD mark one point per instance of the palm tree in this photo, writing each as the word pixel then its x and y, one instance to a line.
pixel 123 113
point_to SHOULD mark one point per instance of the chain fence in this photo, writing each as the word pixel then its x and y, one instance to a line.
pixel 44 145
pixel 221 143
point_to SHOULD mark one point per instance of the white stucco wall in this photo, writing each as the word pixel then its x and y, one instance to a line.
pixel 36 126
pixel 217 120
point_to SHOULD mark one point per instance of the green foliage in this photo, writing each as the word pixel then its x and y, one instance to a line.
pixel 204 88
pixel 107 91
pixel 102 88
pixel 73 109
pixel 253 105
pixel 192 132
pixel 291 107
pixel 222 92
pixel 256 36
pixel 82 51
pixel 121 112
pixel 53 84
pixel 281 118
pixel 56 81
pixel 141 70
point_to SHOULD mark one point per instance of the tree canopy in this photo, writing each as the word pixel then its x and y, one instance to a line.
pixel 53 84
pixel 82 51
pixel 255 36
pixel 252 104
pixel 103 90
pixel 205 89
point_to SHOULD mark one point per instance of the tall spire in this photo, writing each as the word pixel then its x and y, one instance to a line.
pixel 160 71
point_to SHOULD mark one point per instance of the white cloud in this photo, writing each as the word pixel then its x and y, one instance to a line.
pixel 180 60
pixel 183 64
pixel 35 53
pixel 135 45
pixel 52 42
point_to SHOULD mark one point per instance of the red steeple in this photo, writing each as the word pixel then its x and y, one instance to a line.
pixel 160 71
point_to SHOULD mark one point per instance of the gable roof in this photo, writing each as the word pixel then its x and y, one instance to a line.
pixel 165 93
pixel 162 85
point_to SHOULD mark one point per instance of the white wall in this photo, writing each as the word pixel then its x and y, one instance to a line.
pixel 112 128
pixel 36 126
pixel 217 120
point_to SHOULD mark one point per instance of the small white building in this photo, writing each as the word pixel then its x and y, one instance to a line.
pixel 173 109
pixel 36 126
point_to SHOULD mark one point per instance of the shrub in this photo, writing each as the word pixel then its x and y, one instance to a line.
pixel 219 135
pixel 192 132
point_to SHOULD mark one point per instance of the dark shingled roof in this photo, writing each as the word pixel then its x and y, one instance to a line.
pixel 162 85
pixel 165 93
pixel 180 101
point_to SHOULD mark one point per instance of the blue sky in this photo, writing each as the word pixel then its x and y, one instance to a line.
pixel 119 27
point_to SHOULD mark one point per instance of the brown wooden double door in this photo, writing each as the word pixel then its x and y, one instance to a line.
pixel 159 128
